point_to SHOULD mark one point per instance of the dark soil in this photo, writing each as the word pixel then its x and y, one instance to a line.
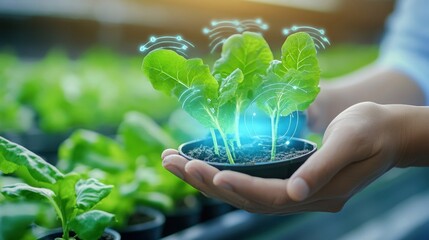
pixel 250 153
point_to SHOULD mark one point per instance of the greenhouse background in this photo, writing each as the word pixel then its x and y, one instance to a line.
pixel 72 91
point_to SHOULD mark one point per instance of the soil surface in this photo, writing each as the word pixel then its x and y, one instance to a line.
pixel 250 153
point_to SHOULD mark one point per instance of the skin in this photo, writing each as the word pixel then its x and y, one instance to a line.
pixel 360 144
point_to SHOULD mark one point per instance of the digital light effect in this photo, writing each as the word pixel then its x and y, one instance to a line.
pixel 175 43
pixel 220 30
pixel 258 123
pixel 318 35
pixel 189 96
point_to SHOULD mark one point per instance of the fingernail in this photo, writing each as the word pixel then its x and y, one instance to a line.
pixel 299 188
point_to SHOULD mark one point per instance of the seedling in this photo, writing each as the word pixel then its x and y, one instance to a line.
pixel 71 197
pixel 217 98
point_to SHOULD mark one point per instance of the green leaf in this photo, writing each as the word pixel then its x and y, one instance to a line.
pixel 229 85
pixel 91 225
pixel 299 53
pixel 24 191
pixel 141 135
pixel 189 80
pixel 7 167
pixel 93 150
pixel 225 116
pixel 248 52
pixel 66 195
pixel 173 74
pixel 291 84
pixel 90 192
pixel 13 156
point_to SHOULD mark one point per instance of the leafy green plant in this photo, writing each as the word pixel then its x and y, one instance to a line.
pixel 93 154
pixel 218 98
pixel 130 162
pixel 57 93
pixel 144 139
pixel 290 84
pixel 70 196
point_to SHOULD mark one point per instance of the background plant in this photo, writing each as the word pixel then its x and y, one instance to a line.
pixel 71 197
pixel 58 93
pixel 130 162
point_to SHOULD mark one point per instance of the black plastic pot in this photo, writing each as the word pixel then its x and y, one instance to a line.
pixel 182 217
pixel 57 233
pixel 148 230
pixel 273 169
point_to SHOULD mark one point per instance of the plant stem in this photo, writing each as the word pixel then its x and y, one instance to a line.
pixel 237 124
pixel 225 142
pixel 216 147
pixel 231 143
pixel 61 216
pixel 228 152
pixel 274 128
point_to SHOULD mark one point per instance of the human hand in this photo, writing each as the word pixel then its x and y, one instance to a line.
pixel 360 144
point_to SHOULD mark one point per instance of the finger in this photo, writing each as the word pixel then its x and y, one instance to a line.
pixel 352 179
pixel 200 175
pixel 339 150
pixel 175 164
pixel 168 152
pixel 265 192
pixel 204 175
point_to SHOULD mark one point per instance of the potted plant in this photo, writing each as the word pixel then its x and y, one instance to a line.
pixel 72 197
pixel 245 75
pixel 131 163
pixel 97 155
pixel 143 138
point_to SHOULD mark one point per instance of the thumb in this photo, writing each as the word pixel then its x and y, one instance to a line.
pixel 336 153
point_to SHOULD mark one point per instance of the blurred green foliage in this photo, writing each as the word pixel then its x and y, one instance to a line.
pixel 346 58
pixel 56 93
pixel 131 162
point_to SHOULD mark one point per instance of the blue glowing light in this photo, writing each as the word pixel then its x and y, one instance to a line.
pixel 318 35
pixel 222 29
pixel 175 43
pixel 287 142
pixel 290 125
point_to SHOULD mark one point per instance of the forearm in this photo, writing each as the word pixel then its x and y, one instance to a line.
pixel 376 84
pixel 373 84
pixel 413 123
